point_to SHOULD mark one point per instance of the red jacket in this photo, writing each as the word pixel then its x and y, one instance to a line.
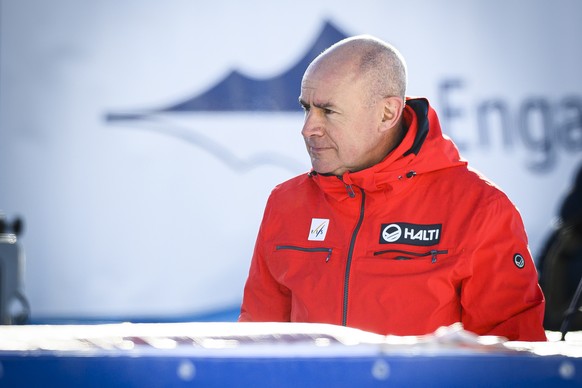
pixel 413 243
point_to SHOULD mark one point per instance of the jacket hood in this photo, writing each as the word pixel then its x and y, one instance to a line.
pixel 423 149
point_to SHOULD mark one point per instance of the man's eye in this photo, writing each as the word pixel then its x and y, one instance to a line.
pixel 328 111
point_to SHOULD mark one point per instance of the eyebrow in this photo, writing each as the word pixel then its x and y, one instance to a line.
pixel 320 105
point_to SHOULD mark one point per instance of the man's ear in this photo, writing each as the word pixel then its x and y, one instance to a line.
pixel 393 107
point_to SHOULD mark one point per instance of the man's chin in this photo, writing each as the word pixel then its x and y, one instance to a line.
pixel 325 171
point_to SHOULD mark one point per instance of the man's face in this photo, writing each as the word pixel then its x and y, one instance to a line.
pixel 341 126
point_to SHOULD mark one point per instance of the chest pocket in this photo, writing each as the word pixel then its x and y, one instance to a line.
pixel 304 267
pixel 307 250
pixel 404 261
pixel 400 254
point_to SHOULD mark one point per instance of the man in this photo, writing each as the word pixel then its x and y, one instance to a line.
pixel 390 232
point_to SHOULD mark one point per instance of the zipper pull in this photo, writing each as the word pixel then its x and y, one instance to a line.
pixel 350 191
pixel 347 184
pixel 328 255
pixel 434 256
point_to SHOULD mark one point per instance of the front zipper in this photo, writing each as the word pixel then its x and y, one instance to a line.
pixel 303 249
pixel 349 260
pixel 434 253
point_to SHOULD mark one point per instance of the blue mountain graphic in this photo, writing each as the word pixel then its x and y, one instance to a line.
pixel 238 92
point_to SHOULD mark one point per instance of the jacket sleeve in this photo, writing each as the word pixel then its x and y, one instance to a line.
pixel 264 299
pixel 502 296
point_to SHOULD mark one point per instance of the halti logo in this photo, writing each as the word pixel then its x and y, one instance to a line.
pixel 318 229
pixel 411 234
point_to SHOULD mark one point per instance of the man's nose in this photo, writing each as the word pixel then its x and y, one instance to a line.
pixel 312 124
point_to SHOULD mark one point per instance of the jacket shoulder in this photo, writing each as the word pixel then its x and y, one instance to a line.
pixel 292 184
pixel 478 187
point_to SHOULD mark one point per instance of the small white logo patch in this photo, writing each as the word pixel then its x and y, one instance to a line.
pixel 318 229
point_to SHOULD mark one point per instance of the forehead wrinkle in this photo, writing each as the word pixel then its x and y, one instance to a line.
pixel 330 76
pixel 316 102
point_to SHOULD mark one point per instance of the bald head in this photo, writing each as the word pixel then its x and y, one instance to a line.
pixel 353 98
pixel 372 59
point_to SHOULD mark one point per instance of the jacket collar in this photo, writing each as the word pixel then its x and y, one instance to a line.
pixel 423 149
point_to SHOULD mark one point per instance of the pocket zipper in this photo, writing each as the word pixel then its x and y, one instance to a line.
pixel 434 253
pixel 303 249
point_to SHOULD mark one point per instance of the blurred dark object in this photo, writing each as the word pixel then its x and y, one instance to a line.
pixel 15 227
pixel 14 307
pixel 560 265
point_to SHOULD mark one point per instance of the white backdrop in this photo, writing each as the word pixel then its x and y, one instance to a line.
pixel 158 217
